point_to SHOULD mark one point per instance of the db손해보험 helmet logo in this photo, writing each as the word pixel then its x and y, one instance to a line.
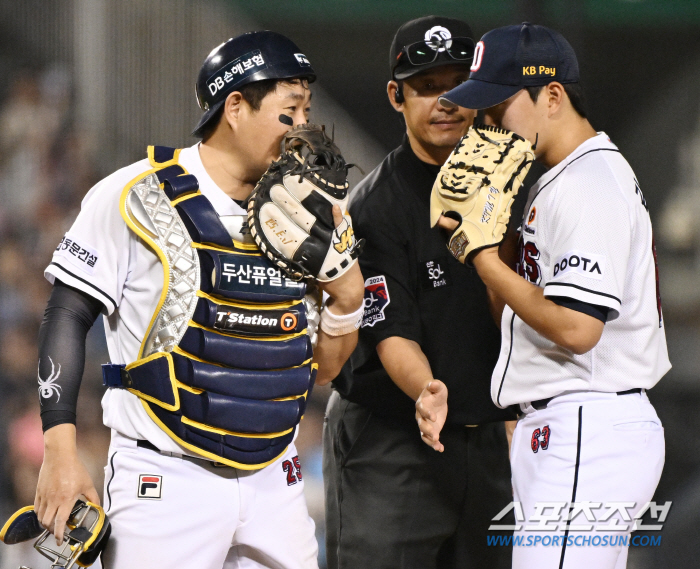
pixel 438 38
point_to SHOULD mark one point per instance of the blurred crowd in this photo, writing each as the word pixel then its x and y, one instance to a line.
pixel 46 167
pixel 44 172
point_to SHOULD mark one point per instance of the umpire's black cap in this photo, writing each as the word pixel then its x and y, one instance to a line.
pixel 510 58
pixel 250 57
pixel 428 42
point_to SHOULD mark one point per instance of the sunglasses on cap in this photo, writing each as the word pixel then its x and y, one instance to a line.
pixel 424 52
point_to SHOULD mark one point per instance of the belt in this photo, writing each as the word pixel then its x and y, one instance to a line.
pixel 542 403
pixel 141 443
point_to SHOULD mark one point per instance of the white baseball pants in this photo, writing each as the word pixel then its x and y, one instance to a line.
pixel 168 512
pixel 583 447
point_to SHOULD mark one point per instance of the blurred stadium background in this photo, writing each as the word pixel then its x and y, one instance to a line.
pixel 85 85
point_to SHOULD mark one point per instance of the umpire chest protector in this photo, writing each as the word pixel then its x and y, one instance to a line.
pixel 225 365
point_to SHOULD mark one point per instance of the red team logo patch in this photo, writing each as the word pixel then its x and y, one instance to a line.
pixel 150 486
pixel 540 439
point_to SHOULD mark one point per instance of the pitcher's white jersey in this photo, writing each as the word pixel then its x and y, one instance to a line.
pixel 586 235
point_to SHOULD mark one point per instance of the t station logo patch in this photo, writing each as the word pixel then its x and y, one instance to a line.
pixel 256 322
pixel 376 300
pixel 150 486
pixel 529 228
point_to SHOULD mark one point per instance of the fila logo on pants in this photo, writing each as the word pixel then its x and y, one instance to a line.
pixel 150 486
pixel 540 439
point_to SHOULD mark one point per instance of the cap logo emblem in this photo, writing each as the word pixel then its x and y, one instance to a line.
pixel 478 56
pixel 438 38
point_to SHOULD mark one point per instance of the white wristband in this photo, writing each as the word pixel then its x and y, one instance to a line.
pixel 335 325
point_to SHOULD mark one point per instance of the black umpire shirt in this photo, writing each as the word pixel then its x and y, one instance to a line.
pixel 416 290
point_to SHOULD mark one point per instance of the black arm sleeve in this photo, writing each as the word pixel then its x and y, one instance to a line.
pixel 595 310
pixel 68 317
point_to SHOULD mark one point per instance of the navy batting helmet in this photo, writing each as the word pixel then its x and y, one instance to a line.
pixel 250 57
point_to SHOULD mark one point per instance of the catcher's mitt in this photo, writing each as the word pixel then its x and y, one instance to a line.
pixel 477 186
pixel 290 212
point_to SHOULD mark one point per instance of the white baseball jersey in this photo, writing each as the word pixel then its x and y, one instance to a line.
pixel 102 257
pixel 586 235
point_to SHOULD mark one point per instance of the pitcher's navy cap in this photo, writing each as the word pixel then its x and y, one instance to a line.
pixel 510 58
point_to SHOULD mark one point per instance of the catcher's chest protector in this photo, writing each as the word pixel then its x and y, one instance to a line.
pixel 225 367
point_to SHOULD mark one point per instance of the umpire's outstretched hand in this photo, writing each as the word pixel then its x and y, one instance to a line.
pixel 431 412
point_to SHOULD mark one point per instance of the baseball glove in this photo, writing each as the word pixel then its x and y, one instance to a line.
pixel 290 212
pixel 477 186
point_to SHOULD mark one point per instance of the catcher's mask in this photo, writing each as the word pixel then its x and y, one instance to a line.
pixel 85 536
pixel 250 57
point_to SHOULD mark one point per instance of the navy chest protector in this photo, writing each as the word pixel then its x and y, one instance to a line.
pixel 225 367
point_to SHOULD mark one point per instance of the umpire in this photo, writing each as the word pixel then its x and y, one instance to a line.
pixel 392 501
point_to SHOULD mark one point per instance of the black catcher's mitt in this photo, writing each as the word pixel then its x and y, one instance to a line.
pixel 290 212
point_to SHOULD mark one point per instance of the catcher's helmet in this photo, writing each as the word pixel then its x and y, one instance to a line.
pixel 253 56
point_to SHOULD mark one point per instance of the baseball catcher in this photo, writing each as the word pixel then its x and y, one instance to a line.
pixel 290 212
pixel 211 349
pixel 477 186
